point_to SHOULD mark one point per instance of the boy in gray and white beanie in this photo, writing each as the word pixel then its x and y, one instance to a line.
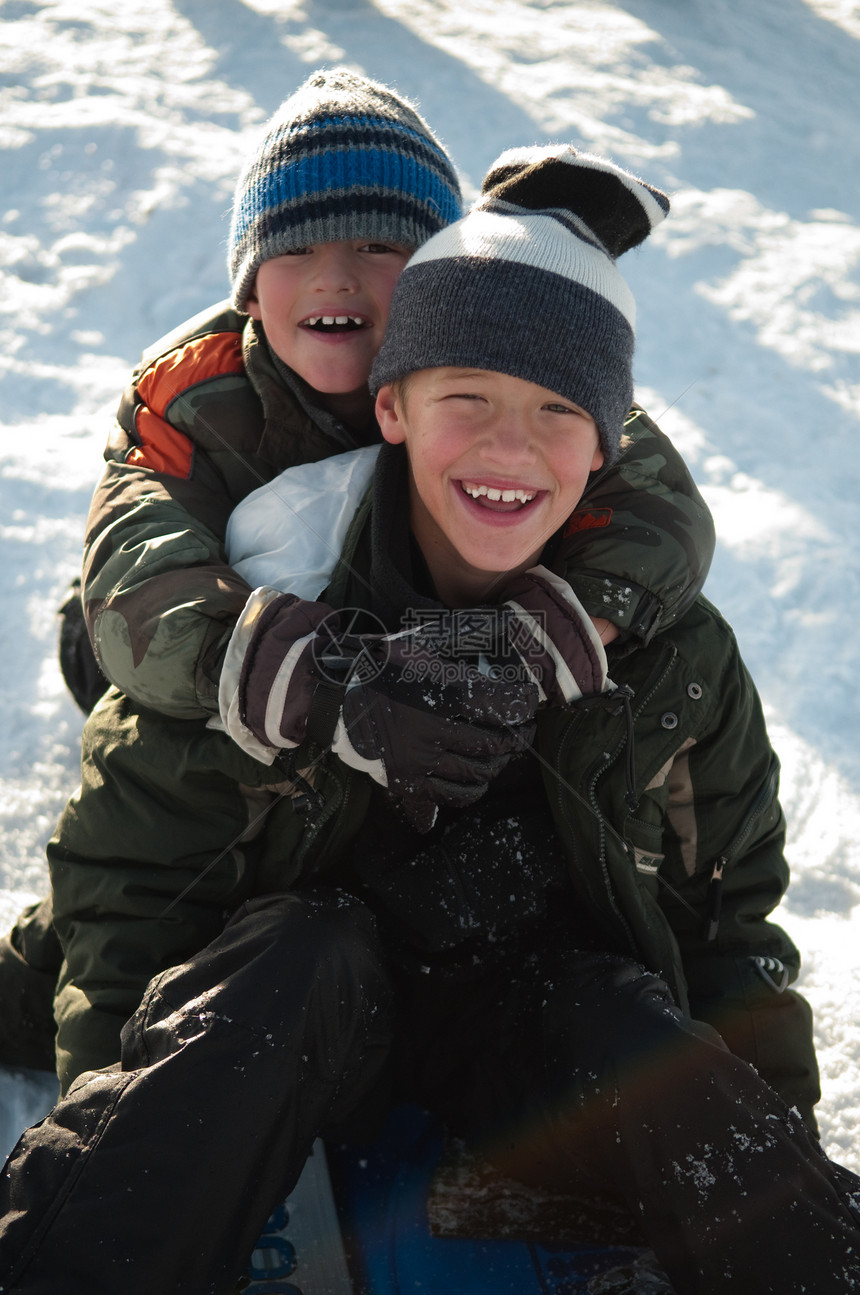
pixel 527 283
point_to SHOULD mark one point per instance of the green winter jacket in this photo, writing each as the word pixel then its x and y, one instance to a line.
pixel 684 882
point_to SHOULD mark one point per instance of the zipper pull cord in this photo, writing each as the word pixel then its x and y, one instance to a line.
pixel 305 798
pixel 625 695
pixel 715 901
pixel 308 800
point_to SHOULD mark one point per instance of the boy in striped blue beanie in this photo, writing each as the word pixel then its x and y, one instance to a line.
pixel 345 182
pixel 342 158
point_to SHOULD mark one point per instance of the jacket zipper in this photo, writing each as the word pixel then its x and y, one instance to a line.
pixel 601 822
pixel 317 810
pixel 715 885
pixel 612 756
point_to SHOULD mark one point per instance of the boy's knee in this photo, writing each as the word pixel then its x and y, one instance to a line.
pixel 279 960
pixel 324 929
pixel 611 1012
pixel 604 987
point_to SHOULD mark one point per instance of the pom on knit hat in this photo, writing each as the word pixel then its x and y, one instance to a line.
pixel 342 158
pixel 526 284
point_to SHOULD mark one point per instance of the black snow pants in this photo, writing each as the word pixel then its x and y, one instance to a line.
pixel 570 1067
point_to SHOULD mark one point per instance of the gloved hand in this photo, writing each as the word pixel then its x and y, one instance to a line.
pixel 432 727
pixel 431 724
pixel 555 638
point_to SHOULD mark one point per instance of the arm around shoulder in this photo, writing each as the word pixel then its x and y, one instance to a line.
pixel 159 596
pixel 638 548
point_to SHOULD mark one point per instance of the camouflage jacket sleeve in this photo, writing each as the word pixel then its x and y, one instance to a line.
pixel 204 422
pixel 638 548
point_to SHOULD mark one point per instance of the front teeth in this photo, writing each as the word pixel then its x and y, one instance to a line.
pixel 334 319
pixel 505 496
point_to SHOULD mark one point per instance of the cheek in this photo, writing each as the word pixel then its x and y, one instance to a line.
pixel 383 293
pixel 269 308
pixel 426 475
pixel 572 479
pixel 572 470
pixel 429 482
pixel 435 458
pixel 285 277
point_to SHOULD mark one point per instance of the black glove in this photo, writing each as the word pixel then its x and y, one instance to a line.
pixel 432 728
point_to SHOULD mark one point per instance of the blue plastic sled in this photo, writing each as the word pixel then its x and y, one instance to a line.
pixel 357 1224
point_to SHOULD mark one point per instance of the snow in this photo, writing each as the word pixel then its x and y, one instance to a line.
pixel 121 130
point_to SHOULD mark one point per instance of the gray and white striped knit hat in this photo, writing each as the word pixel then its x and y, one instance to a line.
pixel 526 283
pixel 342 158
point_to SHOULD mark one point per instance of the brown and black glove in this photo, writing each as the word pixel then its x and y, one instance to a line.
pixel 555 638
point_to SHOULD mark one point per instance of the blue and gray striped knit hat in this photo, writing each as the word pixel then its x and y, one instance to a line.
pixel 342 158
pixel 526 284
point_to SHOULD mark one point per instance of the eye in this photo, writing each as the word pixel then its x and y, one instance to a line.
pixel 379 249
pixel 569 411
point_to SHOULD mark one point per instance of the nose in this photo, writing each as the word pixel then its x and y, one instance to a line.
pixel 335 268
pixel 508 439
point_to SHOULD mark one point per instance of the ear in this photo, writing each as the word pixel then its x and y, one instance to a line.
pixel 252 303
pixel 598 460
pixel 389 415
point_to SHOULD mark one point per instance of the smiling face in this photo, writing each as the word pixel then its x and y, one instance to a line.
pixel 324 309
pixel 497 464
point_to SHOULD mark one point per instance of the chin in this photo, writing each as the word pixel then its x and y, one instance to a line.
pixel 495 572
pixel 499 562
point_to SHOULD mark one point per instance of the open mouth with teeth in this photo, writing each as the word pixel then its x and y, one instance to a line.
pixel 499 499
pixel 335 323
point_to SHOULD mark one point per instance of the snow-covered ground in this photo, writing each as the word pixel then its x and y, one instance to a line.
pixel 121 127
